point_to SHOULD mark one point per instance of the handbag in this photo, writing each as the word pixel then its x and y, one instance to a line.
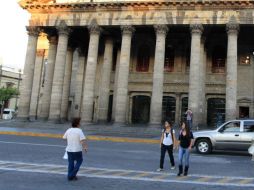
pixel 65 157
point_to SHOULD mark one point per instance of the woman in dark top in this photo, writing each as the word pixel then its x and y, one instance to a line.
pixel 185 142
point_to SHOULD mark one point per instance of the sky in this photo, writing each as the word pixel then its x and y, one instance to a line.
pixel 13 35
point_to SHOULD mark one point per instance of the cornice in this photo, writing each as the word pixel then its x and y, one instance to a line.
pixel 42 6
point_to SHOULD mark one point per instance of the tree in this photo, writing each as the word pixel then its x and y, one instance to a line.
pixel 6 94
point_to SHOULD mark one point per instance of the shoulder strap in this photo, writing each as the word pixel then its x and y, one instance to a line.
pixel 171 131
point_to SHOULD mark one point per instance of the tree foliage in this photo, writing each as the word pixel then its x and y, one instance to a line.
pixel 8 93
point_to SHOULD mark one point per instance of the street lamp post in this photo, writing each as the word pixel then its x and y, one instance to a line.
pixel 1 70
pixel 19 80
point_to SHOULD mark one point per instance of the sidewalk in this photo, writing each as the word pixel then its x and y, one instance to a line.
pixel 106 132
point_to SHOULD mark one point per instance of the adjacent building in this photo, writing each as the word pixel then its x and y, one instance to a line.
pixel 10 77
pixel 139 61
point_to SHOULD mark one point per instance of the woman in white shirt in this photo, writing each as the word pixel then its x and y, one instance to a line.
pixel 76 141
pixel 167 144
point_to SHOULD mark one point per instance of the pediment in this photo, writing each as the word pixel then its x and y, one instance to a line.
pixel 244 100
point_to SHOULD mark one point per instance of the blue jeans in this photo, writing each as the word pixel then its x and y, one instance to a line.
pixel 183 152
pixel 73 167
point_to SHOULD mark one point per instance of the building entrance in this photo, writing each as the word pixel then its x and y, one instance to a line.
pixel 168 108
pixel 243 112
pixel 141 109
pixel 215 111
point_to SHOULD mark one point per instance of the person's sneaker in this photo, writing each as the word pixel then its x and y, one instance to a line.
pixel 172 167
pixel 159 169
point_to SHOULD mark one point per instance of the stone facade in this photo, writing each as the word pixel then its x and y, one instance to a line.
pixel 141 61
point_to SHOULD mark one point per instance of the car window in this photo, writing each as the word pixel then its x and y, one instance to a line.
pixel 6 112
pixel 231 127
pixel 248 126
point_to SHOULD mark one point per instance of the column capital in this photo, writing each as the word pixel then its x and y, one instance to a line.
pixel 161 29
pixel 127 29
pixel 94 29
pixel 196 28
pixel 63 29
pixel 232 28
pixel 33 30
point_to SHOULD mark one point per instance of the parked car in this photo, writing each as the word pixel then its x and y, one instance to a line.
pixel 231 135
pixel 8 113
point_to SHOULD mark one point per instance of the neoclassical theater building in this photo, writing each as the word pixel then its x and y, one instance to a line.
pixel 138 61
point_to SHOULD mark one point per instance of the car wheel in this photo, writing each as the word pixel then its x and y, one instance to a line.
pixel 203 146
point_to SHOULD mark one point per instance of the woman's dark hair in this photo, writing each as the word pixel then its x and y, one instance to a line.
pixel 75 122
pixel 187 128
pixel 169 122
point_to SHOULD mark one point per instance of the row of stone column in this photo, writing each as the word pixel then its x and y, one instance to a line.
pixel 58 76
pixel 198 69
pixel 54 102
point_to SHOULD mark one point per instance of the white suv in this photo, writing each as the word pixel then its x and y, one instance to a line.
pixel 232 135
pixel 8 113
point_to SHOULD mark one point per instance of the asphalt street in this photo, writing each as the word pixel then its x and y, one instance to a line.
pixel 36 163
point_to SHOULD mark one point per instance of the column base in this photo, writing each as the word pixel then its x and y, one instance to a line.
pixel 86 122
pixel 56 121
pixel 42 119
pixel 154 125
pixel 32 118
pixel 22 118
pixel 102 121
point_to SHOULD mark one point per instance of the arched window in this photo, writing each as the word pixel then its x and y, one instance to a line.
pixel 143 59
pixel 169 59
pixel 141 109
pixel 218 59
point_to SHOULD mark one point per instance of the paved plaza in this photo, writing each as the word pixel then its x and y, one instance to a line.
pixel 33 162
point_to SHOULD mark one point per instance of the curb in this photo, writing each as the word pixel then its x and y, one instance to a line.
pixel 89 137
